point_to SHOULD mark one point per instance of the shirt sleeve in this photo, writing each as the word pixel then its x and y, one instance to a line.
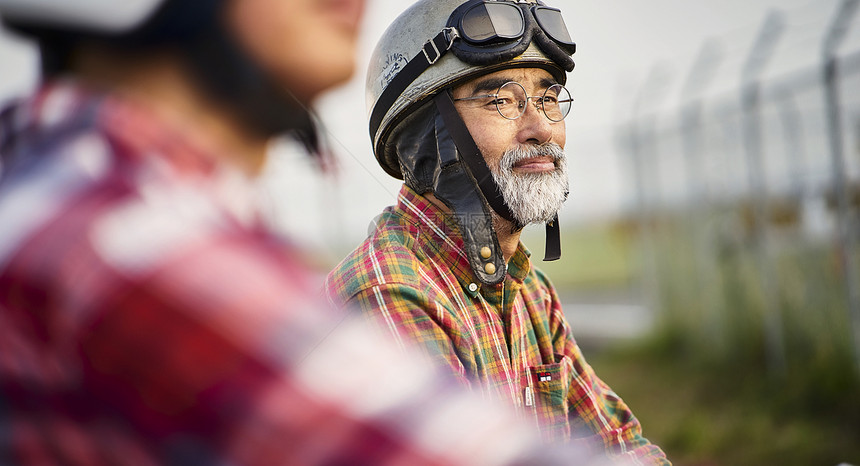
pixel 212 368
pixel 595 410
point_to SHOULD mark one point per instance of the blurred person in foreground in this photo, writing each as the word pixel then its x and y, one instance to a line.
pixel 146 316
pixel 473 122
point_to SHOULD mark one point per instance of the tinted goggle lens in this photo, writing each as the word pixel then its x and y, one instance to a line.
pixel 488 21
pixel 552 23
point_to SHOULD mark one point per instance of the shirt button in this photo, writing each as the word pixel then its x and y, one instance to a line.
pixel 490 268
pixel 473 287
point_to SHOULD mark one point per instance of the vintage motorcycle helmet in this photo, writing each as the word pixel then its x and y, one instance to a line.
pixel 195 27
pixel 416 132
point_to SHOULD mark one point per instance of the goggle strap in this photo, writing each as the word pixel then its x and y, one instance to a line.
pixel 471 155
pixel 431 52
pixel 553 241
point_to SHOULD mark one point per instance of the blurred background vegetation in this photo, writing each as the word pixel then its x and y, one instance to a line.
pixel 704 388
pixel 740 260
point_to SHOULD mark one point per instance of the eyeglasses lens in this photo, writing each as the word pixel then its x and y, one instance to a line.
pixel 511 100
pixel 556 102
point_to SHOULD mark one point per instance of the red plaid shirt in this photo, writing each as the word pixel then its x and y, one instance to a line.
pixel 509 341
pixel 146 318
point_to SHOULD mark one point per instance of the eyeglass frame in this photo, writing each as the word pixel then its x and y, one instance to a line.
pixel 538 103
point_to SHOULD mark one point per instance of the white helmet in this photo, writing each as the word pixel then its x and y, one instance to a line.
pixel 411 34
pixel 214 57
pixel 100 16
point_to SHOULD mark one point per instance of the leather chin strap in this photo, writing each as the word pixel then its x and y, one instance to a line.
pixel 481 176
pixel 552 251
pixel 456 186
pixel 472 155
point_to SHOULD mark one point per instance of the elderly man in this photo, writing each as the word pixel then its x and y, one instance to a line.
pixel 146 315
pixel 468 102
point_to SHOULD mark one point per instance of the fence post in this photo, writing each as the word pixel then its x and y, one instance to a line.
pixel 632 142
pixel 700 76
pixel 847 227
pixel 792 130
pixel 761 51
pixel 643 148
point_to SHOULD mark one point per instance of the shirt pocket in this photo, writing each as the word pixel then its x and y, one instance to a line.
pixel 550 385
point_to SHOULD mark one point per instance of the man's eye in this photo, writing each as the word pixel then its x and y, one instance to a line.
pixel 503 101
pixel 548 99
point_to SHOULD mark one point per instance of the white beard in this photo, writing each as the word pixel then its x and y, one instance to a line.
pixel 533 197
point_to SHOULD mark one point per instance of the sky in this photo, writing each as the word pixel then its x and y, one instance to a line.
pixel 632 56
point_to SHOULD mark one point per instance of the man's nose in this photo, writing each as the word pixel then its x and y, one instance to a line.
pixel 535 127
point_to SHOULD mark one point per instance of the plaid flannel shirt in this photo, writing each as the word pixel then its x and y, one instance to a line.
pixel 146 317
pixel 509 341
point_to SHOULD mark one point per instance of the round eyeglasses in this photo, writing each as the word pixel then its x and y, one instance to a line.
pixel 511 98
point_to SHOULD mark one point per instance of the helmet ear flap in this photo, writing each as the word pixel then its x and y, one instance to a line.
pixel 416 148
pixel 430 162
pixel 455 185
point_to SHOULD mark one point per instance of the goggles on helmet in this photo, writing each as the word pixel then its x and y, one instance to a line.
pixel 484 33
pixel 495 31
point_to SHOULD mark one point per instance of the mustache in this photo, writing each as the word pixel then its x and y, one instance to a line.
pixel 524 152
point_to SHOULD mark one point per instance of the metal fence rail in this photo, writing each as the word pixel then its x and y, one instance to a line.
pixel 748 202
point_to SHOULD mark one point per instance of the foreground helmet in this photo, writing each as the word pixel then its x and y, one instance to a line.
pixel 83 15
pixel 416 132
pixel 195 27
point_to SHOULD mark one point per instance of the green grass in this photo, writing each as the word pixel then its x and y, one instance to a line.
pixel 707 387
pixel 723 415
pixel 597 256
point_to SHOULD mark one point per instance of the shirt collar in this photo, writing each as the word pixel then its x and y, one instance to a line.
pixel 446 244
pixel 520 264
pixel 138 136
